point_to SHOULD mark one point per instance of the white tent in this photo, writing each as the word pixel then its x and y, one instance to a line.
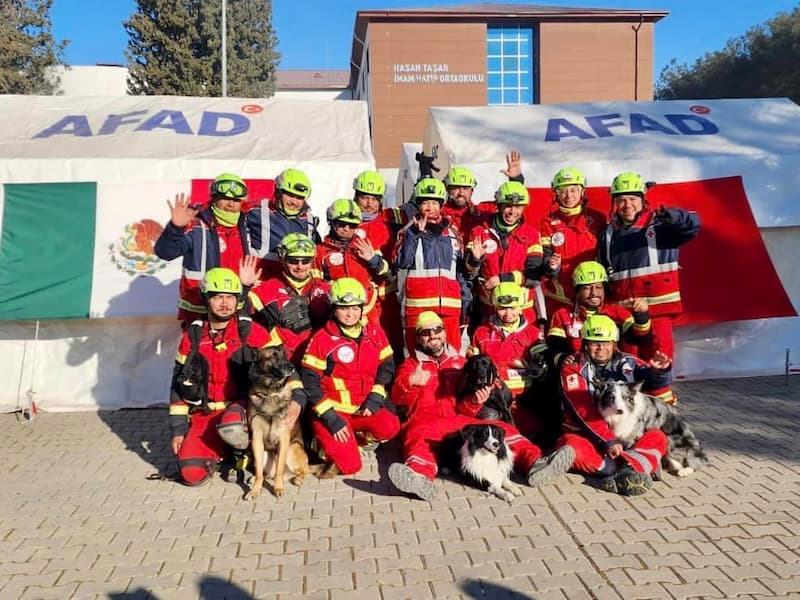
pixel 139 152
pixel 671 142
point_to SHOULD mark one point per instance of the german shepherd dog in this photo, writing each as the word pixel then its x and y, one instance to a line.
pixel 270 397
pixel 479 453
pixel 480 372
pixel 629 412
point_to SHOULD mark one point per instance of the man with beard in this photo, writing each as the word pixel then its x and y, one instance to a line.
pixel 591 284
pixel 209 383
pixel 424 392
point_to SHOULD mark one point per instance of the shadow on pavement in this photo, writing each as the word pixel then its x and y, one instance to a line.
pixel 477 588
pixel 211 588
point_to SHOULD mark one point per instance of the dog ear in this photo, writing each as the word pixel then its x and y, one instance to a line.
pixel 598 382
pixel 492 368
pixel 635 386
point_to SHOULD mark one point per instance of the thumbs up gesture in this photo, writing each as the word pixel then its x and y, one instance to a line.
pixel 420 376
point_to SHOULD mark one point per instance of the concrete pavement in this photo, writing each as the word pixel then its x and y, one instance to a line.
pixel 80 519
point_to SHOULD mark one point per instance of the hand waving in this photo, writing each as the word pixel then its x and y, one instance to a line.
pixel 181 214
pixel 249 274
pixel 513 164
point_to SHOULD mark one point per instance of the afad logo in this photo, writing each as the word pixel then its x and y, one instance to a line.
pixel 211 123
pixel 600 126
pixel 134 252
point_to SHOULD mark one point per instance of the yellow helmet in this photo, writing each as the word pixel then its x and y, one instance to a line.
pixel 228 185
pixel 345 210
pixel 599 328
pixel 220 280
pixel 568 176
pixel 430 188
pixel 508 294
pixel 627 183
pixel 512 192
pixel 428 319
pixel 589 272
pixel 347 291
pixel 370 182
pixel 296 245
pixel 460 176
pixel 294 182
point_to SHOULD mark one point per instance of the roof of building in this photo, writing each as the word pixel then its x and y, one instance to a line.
pixel 296 79
pixel 488 10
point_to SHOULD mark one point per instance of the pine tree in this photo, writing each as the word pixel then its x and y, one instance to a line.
pixel 28 49
pixel 174 48
pixel 761 63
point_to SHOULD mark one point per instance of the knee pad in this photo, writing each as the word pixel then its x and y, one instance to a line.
pixel 232 428
pixel 196 471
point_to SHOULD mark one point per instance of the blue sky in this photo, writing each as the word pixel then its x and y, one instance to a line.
pixel 316 34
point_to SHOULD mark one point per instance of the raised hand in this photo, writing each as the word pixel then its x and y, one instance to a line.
pixel 181 214
pixel 363 248
pixel 491 283
pixel 476 247
pixel 249 274
pixel 421 221
pixel 513 164
pixel 638 305
pixel 555 261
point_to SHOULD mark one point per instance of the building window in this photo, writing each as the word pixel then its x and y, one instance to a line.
pixel 509 69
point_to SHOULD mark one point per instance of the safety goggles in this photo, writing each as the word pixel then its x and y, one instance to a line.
pixel 298 261
pixel 507 301
pixel 228 188
pixel 431 331
pixel 300 188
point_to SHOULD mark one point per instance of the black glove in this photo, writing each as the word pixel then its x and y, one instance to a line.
pixel 332 420
pixel 664 215
pixel 373 402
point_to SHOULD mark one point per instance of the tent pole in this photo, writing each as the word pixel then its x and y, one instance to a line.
pixel 31 410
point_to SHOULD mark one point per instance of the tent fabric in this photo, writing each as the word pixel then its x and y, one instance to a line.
pixel 735 161
pixel 112 164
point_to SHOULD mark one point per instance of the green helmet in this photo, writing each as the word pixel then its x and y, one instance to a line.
pixel 294 182
pixel 345 210
pixel 347 291
pixel 429 188
pixel 296 245
pixel 220 280
pixel 228 185
pixel 370 182
pixel 568 176
pixel 589 272
pixel 599 328
pixel 508 294
pixel 460 176
pixel 512 192
pixel 627 183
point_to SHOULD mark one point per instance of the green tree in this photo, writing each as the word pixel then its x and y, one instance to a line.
pixel 761 63
pixel 174 47
pixel 28 50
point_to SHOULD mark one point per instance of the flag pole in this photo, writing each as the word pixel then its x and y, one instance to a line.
pixel 224 34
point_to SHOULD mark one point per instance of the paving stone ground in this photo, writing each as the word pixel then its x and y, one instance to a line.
pixel 80 519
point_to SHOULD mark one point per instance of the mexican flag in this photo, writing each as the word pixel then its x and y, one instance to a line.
pixel 86 249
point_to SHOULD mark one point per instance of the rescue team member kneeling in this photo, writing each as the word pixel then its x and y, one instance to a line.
pixel 345 372
pixel 209 384
pixel 425 391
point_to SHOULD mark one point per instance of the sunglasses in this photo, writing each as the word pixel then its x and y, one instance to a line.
pixel 513 198
pixel 345 224
pixel 228 189
pixel 431 331
pixel 299 261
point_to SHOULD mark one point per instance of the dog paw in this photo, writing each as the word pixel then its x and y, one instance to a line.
pixel 513 488
pixel 255 489
pixel 279 491
pixel 684 472
pixel 298 480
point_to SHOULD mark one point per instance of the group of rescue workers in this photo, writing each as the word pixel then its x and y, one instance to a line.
pixel 403 286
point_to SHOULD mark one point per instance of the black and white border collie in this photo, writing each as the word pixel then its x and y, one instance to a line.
pixel 629 412
pixel 480 454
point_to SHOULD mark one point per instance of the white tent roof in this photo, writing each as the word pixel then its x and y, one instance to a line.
pixel 664 141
